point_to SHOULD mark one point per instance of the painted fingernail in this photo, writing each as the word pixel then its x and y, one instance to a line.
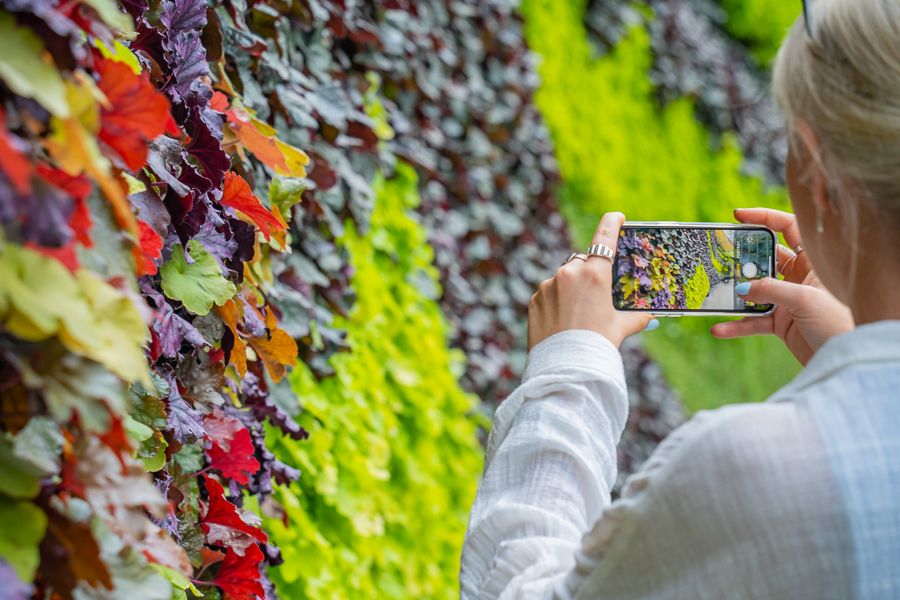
pixel 654 324
pixel 742 289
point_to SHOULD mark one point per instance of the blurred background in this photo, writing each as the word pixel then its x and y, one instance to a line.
pixel 458 151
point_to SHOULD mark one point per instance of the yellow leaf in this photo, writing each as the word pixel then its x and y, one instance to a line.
pixel 93 319
pixel 119 53
pixel 26 69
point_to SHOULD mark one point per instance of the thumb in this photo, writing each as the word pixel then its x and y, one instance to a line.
pixel 630 323
pixel 774 291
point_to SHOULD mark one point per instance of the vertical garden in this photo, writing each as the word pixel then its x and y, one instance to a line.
pixel 265 267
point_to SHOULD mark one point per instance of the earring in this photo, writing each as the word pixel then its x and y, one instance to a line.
pixel 820 224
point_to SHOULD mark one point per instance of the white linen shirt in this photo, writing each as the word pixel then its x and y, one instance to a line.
pixel 795 498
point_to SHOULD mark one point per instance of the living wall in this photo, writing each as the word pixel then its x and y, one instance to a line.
pixel 619 148
pixel 389 469
pixel 160 275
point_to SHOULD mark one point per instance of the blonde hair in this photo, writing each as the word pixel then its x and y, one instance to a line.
pixel 844 81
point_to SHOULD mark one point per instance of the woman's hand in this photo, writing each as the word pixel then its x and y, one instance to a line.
pixel 579 296
pixel 806 314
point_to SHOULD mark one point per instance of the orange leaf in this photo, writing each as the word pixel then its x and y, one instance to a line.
pixel 230 315
pixel 237 195
pixel 136 114
pixel 259 138
pixel 278 350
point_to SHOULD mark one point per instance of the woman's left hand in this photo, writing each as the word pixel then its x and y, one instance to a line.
pixel 579 296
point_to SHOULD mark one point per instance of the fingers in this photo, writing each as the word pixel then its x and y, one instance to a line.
pixel 608 229
pixel 776 220
pixel 744 327
pixel 774 291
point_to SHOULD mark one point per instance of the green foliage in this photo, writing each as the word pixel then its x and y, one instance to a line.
pixel 198 284
pixel 618 150
pixel 389 468
pixel 762 23
pixel 22 525
pixel 697 288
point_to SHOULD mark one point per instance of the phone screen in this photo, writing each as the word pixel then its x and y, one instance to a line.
pixel 690 268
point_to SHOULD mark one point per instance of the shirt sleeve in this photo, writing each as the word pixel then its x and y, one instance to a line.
pixel 549 468
pixel 737 503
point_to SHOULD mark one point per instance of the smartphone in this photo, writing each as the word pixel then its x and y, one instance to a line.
pixel 675 269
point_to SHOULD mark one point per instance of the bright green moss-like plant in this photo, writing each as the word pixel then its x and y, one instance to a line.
pixel 619 150
pixel 762 23
pixel 697 288
pixel 390 468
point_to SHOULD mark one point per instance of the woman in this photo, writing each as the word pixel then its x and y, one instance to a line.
pixel 798 497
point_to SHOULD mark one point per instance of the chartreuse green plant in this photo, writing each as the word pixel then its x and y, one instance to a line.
pixel 390 468
pixel 697 288
pixel 619 150
pixel 762 23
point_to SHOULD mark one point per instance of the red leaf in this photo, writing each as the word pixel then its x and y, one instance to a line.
pixel 79 188
pixel 221 428
pixel 12 162
pixel 239 577
pixel 151 249
pixel 117 440
pixel 225 525
pixel 65 254
pixel 237 195
pixel 237 462
pixel 136 114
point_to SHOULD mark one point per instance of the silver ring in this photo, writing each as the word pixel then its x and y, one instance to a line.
pixel 601 250
pixel 798 248
pixel 573 256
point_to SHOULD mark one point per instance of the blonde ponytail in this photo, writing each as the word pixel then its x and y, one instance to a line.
pixel 844 80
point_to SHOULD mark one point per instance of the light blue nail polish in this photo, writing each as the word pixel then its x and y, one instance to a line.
pixel 742 289
pixel 654 324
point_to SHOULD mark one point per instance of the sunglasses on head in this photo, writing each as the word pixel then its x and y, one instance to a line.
pixel 806 18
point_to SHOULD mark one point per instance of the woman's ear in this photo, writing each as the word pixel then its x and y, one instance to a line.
pixel 814 168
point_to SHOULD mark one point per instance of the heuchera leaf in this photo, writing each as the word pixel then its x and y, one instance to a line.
pixel 198 284
pixel 238 353
pixel 235 461
pixel 259 138
pixel 12 161
pixel 79 188
pixel 22 525
pixel 239 576
pixel 277 350
pixel 24 69
pixel 151 249
pixel 225 525
pixel 136 113
pixel 183 15
pixel 237 195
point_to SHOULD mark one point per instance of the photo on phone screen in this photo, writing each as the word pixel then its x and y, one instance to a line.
pixel 690 268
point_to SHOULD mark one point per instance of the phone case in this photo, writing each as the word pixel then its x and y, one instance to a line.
pixel 697 225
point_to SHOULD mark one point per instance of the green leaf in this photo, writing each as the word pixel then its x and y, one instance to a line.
pixel 20 479
pixel 180 583
pixel 285 192
pixel 40 444
pixel 198 285
pixel 24 68
pixel 22 527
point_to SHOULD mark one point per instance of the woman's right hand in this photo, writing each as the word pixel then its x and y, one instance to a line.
pixel 806 314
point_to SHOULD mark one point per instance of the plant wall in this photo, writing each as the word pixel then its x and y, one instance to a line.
pixel 620 149
pixel 138 329
pixel 389 470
